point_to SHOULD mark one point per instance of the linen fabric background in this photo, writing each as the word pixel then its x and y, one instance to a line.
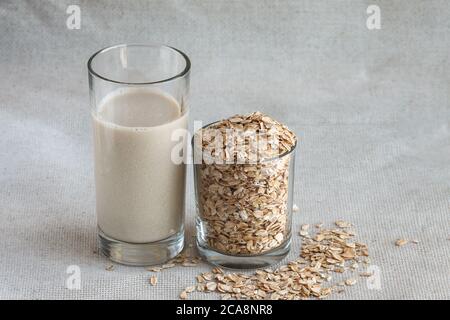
pixel 370 108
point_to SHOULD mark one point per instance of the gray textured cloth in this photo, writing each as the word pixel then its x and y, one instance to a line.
pixel 370 107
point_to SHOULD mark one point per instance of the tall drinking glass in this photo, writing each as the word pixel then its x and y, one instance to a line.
pixel 139 113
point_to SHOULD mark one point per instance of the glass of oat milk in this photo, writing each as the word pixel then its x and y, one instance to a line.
pixel 139 114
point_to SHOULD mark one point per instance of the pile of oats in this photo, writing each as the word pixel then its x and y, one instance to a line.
pixel 243 198
pixel 328 252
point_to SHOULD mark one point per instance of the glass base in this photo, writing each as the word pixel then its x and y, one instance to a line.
pixel 244 261
pixel 141 254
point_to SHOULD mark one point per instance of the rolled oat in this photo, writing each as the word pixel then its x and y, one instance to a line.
pixel 242 195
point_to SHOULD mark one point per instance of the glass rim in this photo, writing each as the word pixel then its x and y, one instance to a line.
pixel 181 74
pixel 280 156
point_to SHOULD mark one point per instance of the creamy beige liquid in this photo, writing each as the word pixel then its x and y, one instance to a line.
pixel 140 190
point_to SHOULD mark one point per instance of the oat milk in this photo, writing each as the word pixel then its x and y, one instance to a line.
pixel 140 190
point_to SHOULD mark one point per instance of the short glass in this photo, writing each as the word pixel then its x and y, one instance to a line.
pixel 244 231
pixel 139 113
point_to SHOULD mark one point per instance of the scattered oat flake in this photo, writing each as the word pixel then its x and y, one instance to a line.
pixel 304 233
pixel 153 280
pixel 343 224
pixel 201 287
pixel 190 289
pixel 183 295
pixel 295 208
pixel 211 286
pixel 401 242
pixel 415 241
pixel 208 276
pixel 217 270
pixel 154 269
pixel 366 274
pixel 110 267
pixel 350 282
